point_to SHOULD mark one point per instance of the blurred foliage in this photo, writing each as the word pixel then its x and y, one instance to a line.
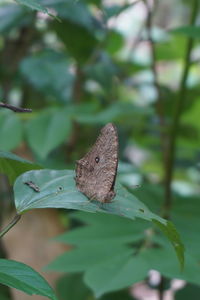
pixel 100 62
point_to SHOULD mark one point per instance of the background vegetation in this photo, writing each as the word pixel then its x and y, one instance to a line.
pixel 133 63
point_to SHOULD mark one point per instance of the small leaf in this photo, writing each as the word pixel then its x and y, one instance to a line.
pixel 13 165
pixel 11 127
pixel 24 278
pixel 48 130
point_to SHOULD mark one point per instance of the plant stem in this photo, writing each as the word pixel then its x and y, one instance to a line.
pixel 177 116
pixel 161 288
pixel 159 102
pixel 10 225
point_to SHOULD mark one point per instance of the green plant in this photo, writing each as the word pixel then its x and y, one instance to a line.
pixel 77 73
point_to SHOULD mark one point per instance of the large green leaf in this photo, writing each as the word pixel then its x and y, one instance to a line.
pixel 74 37
pixel 48 72
pixel 108 267
pixel 94 244
pixel 57 189
pixel 24 278
pixel 48 130
pixel 13 165
pixel 10 126
pixel 102 243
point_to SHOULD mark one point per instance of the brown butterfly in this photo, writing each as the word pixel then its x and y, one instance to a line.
pixel 96 171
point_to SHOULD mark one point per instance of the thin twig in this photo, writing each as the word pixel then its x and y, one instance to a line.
pixel 14 108
pixel 10 225
pixel 177 115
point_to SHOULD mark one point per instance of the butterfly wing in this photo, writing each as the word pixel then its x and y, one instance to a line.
pixel 96 171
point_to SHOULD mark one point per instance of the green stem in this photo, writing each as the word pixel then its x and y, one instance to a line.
pixel 159 102
pixel 10 225
pixel 177 116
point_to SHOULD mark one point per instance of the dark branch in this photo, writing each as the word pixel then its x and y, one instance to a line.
pixel 14 108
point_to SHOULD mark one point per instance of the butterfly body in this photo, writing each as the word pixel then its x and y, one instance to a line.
pixel 96 171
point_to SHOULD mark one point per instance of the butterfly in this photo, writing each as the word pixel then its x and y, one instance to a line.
pixel 96 171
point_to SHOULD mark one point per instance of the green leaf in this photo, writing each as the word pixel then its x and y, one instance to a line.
pixel 114 42
pixel 170 231
pixel 94 243
pixel 71 287
pixel 48 130
pixel 168 51
pixel 188 31
pixel 119 271
pixel 41 71
pixel 115 9
pixel 11 127
pixel 103 72
pixel 117 230
pixel 164 261
pixel 185 215
pixel 112 113
pixel 11 16
pixel 76 12
pixel 13 165
pixel 57 189
pixel 35 5
pixel 86 257
pixel 24 278
pixel 74 36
